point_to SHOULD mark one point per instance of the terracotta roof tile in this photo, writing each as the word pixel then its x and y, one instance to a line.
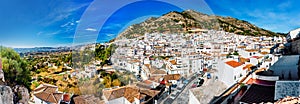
pixel 155 78
pixel 257 57
pixel 48 93
pixel 148 92
pixel 159 72
pixel 243 60
pixel 66 98
pixel 260 82
pixel 264 53
pixel 129 92
pixel 87 99
pixel 46 88
pixel 258 94
pixel 172 77
pixel 247 67
pixel 251 50
pixel 233 63
pixel 147 82
pixel 241 46
pixel 49 97
pixel 147 65
pixel 173 62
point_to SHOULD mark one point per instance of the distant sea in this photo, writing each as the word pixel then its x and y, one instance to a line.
pixel 41 49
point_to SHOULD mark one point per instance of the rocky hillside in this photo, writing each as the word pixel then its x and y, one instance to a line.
pixel 6 96
pixel 182 22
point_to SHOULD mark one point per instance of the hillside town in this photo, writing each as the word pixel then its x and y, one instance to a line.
pixel 208 66
pixel 217 57
pixel 149 52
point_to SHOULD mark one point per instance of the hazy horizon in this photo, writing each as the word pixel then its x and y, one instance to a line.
pixel 54 23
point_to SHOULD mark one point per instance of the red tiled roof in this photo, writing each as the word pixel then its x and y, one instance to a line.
pixel 151 93
pixel 251 50
pixel 255 57
pixel 129 92
pixel 157 71
pixel 147 65
pixel 248 67
pixel 48 93
pixel 264 53
pixel 243 60
pixel 258 93
pixel 49 97
pixel 163 82
pixel 233 63
pixel 46 88
pixel 155 78
pixel 148 82
pixel 87 99
pixel 260 82
pixel 172 77
pixel 173 62
pixel 66 98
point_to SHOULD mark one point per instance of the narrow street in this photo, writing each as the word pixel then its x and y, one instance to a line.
pixel 183 97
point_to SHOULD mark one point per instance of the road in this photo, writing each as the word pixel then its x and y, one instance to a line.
pixel 183 97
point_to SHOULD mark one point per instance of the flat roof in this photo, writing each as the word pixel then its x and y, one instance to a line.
pixel 286 67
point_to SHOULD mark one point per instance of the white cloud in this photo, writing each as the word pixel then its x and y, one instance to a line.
pixel 284 5
pixel 91 29
pixel 64 25
pixel 61 13
pixel 53 33
pixel 110 35
pixel 39 33
pixel 48 34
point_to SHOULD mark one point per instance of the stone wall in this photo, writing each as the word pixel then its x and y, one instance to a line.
pixel 295 47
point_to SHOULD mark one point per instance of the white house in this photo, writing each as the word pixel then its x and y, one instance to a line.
pixel 230 71
pixel 248 53
pixel 175 66
pixel 133 66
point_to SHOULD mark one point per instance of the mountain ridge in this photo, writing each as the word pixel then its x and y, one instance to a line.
pixel 183 22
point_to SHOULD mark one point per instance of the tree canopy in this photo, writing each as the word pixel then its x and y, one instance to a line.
pixel 16 69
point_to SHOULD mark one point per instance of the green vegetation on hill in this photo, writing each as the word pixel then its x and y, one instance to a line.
pixel 182 22
pixel 16 69
pixel 103 53
pixel 242 27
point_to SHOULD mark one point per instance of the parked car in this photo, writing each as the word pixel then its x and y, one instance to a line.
pixel 201 81
pixel 172 96
pixel 195 84
pixel 185 81
pixel 208 76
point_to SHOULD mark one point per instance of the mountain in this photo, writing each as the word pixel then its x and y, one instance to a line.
pixel 182 22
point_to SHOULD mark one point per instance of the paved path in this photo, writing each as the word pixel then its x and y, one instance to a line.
pixel 183 97
pixel 183 92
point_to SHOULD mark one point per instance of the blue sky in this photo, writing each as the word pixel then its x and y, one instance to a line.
pixel 34 23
